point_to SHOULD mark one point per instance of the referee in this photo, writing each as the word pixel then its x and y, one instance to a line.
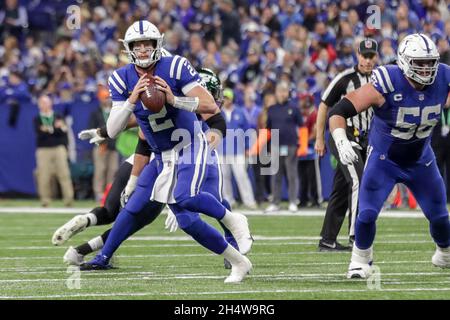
pixel 347 178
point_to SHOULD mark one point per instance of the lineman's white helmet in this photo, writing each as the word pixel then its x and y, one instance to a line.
pixel 412 53
pixel 140 31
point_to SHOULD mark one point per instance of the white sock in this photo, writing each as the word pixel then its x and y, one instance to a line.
pixel 228 217
pixel 96 243
pixel 232 255
pixel 362 255
pixel 443 250
pixel 92 218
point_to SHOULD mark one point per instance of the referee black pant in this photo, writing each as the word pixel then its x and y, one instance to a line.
pixel 343 196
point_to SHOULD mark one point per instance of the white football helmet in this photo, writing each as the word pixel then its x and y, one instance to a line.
pixel 139 31
pixel 413 53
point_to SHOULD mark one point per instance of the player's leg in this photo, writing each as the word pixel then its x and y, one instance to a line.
pixel 211 239
pixel 428 188
pixel 75 256
pixel 128 218
pixel 188 194
pixel 378 180
pixel 100 215
pixel 213 185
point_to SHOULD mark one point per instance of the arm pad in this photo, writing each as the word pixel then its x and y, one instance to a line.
pixel 343 108
pixel 217 122
pixel 143 148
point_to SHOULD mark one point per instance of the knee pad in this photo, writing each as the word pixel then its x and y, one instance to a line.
pixel 367 216
pixel 186 220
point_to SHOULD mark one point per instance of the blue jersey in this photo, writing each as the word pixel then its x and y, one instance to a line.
pixel 402 126
pixel 159 127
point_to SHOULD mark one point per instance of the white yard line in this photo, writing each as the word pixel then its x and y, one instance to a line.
pixel 89 276
pixel 217 293
pixel 57 270
pixel 210 254
pixel 259 244
pixel 301 213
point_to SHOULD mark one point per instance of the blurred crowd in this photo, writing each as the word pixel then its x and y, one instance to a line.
pixel 252 44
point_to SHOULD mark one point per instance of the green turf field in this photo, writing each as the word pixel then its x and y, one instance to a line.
pixel 155 264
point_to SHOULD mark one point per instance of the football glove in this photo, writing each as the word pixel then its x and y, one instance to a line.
pixel 171 221
pixel 345 149
pixel 91 134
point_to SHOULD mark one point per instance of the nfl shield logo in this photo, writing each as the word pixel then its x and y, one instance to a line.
pixel 421 97
pixel 368 44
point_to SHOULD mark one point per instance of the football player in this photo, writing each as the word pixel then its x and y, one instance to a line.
pixel 107 214
pixel 177 173
pixel 408 100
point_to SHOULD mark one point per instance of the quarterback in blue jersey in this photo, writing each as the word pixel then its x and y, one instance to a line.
pixel 407 100
pixel 177 174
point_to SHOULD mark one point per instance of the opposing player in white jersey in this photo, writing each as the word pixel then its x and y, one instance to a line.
pixel 177 173
pixel 408 99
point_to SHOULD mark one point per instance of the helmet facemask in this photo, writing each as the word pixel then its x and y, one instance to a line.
pixel 154 52
pixel 422 71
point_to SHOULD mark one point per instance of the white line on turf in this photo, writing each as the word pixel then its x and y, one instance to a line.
pixel 57 270
pixel 302 213
pixel 211 254
pixel 260 244
pixel 218 293
pixel 90 276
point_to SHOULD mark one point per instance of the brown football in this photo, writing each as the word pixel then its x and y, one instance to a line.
pixel 152 98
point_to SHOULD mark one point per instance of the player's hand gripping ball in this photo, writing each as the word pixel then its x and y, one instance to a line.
pixel 152 98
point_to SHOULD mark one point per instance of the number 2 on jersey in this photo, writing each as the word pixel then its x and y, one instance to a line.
pixel 161 126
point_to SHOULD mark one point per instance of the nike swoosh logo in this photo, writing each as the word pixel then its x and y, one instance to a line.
pixel 428 163
pixel 332 246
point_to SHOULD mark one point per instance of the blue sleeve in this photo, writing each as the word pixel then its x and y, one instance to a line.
pixel 382 81
pixel 117 87
pixel 182 71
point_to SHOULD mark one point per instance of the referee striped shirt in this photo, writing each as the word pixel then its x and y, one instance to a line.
pixel 345 82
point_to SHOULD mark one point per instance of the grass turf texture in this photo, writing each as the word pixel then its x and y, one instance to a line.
pixel 155 264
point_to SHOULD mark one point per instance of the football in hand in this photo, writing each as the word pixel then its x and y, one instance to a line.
pixel 152 98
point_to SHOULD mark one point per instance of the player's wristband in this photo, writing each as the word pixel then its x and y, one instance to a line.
pixel 186 103
pixel 102 132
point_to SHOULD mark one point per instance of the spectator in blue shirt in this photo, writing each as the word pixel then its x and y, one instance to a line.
pixel 251 109
pixel 285 118
pixel 233 153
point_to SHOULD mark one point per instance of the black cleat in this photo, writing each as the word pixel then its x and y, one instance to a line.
pixel 98 263
pixel 335 246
